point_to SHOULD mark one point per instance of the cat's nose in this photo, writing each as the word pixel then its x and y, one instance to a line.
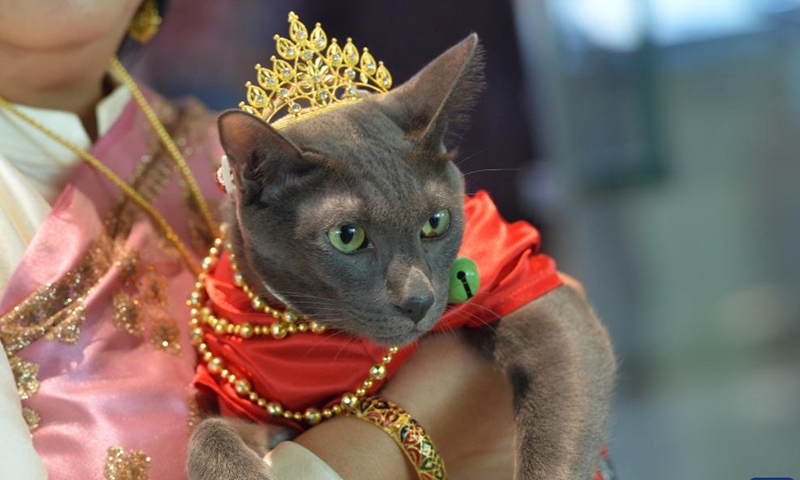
pixel 416 306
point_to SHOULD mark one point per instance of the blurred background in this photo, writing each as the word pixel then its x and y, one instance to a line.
pixel 656 143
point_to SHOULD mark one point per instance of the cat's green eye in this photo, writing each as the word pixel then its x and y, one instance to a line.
pixel 437 224
pixel 348 238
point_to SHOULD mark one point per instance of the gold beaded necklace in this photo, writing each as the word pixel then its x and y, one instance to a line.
pixel 286 322
pixel 132 194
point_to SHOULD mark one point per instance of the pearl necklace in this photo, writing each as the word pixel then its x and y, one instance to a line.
pixel 284 323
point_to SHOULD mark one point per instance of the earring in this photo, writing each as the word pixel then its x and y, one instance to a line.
pixel 145 22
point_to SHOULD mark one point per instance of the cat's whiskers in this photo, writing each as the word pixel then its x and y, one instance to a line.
pixel 485 170
pixel 470 157
pixel 323 339
pixel 479 319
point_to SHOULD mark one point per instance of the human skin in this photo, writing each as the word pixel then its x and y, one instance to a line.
pixel 55 54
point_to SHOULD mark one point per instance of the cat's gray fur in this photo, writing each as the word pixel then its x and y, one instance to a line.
pixel 386 164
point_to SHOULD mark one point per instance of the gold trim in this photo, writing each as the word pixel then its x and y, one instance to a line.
pixel 32 418
pixel 130 465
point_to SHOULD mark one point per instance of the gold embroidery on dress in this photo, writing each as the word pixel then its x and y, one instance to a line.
pixel 199 235
pixel 127 314
pixel 26 375
pixel 165 335
pixel 121 465
pixel 194 417
pixel 56 311
pixel 144 304
pixel 164 331
pixel 32 418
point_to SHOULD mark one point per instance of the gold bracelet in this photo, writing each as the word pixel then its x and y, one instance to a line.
pixel 405 431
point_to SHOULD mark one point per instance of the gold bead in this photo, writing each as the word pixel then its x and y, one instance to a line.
pixel 213 251
pixel 287 415
pixel 197 336
pixel 194 322
pixel 253 396
pixel 207 356
pixel 224 373
pixel 302 327
pixel 337 409
pixel 361 392
pixel 278 330
pixel 217 242
pixel 317 327
pixel 262 402
pixel 221 327
pixel 215 365
pixel 196 299
pixel 298 417
pixel 274 409
pixel 242 387
pixel 312 416
pixel 392 350
pixel 238 279
pixel 368 384
pixel 291 327
pixel 231 378
pixel 348 400
pixel 209 263
pixel 327 413
pixel 202 348
pixel 246 330
pixel 258 304
pixel 230 328
pixel 378 372
pixel 288 316
pixel 257 330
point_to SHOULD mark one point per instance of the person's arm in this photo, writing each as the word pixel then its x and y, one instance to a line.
pixel 456 394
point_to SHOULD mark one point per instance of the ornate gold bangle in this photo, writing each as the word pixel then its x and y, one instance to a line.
pixel 405 431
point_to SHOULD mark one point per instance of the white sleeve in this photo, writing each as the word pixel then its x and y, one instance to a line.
pixel 18 459
pixel 292 461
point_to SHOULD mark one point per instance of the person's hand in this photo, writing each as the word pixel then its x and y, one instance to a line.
pixel 464 402
pixel 455 393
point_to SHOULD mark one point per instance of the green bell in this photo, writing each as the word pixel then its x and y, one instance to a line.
pixel 464 280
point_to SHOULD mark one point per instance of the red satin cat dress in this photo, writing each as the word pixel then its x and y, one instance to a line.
pixel 306 370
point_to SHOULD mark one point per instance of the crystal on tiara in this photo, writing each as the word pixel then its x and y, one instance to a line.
pixel 311 75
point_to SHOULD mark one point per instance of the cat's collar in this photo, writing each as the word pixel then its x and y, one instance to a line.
pixel 312 76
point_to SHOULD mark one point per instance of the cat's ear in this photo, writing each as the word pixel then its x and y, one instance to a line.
pixel 262 161
pixel 433 105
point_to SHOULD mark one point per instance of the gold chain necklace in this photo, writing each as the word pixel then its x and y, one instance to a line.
pixel 135 196
pixel 284 323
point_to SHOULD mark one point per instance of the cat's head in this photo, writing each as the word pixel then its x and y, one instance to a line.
pixel 355 215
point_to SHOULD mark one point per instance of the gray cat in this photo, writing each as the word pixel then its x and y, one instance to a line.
pixel 382 166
